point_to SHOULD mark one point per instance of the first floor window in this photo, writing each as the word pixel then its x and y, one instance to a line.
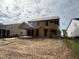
pixel 54 31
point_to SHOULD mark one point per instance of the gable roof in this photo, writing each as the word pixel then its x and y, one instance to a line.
pixel 19 25
pixel 25 26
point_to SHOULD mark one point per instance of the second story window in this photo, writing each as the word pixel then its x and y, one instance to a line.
pixel 56 22
pixel 46 23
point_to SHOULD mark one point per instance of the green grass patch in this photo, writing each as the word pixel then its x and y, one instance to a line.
pixel 74 46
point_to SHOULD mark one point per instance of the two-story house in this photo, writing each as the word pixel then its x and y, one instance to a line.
pixel 44 27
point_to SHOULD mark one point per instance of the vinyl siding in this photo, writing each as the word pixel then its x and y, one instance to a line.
pixel 73 29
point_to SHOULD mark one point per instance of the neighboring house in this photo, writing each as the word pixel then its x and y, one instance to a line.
pixel 15 29
pixel 44 27
pixel 73 28
pixel 11 30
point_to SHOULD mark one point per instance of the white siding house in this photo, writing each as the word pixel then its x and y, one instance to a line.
pixel 11 30
pixel 73 28
pixel 17 29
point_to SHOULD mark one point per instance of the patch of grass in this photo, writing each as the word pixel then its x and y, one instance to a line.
pixel 74 46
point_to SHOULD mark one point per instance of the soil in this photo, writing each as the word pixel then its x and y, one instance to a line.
pixel 14 48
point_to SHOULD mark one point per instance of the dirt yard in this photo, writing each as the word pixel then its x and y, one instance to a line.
pixel 13 48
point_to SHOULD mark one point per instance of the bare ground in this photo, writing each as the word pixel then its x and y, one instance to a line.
pixel 13 48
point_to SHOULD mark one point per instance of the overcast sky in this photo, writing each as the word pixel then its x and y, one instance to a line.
pixel 15 11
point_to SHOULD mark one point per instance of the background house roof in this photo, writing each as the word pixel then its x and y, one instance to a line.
pixel 23 25
pixel 12 25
